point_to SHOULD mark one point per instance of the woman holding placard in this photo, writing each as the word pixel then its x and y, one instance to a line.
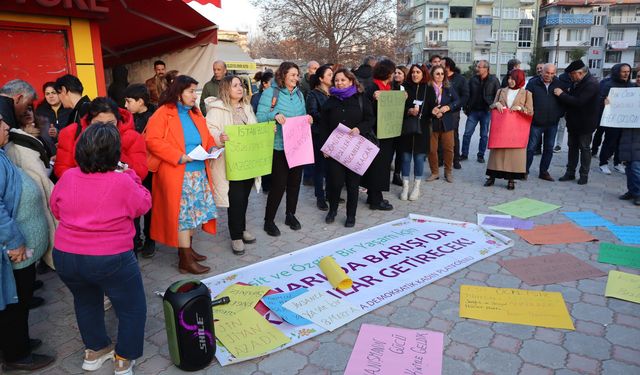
pixel 279 102
pixel 182 187
pixel 347 106
pixel 510 163
pixel 231 108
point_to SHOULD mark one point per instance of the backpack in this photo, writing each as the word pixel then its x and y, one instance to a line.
pixel 276 94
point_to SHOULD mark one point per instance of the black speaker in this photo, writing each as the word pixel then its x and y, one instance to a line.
pixel 189 321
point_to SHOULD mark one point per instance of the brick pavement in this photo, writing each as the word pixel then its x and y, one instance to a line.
pixel 606 340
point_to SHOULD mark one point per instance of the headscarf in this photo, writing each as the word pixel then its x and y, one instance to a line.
pixel 518 76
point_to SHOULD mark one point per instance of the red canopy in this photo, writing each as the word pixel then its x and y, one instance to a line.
pixel 138 29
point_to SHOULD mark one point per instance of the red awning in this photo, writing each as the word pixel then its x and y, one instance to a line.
pixel 138 29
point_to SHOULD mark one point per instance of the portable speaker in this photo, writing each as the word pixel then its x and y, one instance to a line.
pixel 189 322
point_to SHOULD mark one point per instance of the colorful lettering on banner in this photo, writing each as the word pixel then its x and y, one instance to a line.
pixel 353 151
pixel 298 144
pixel 390 114
pixel 509 129
pixel 249 150
pixel 385 262
pixel 622 110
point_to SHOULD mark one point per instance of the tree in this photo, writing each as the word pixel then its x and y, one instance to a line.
pixel 330 30
pixel 577 54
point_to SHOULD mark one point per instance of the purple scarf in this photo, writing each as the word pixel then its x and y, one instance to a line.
pixel 343 94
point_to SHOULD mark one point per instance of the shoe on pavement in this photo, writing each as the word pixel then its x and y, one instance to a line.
pixel 546 176
pixel 626 196
pixel 350 222
pixel 248 237
pixel 237 246
pixel 93 360
pixel 567 177
pixel 122 366
pixel 636 201
pixel 620 168
pixel 583 180
pixel 292 222
pixel 35 302
pixel 382 206
pixel 34 344
pixel 397 179
pixel 322 204
pixel 37 284
pixel 605 169
pixel 32 362
pixel 271 229
pixel 463 157
pixel 457 165
pixel 331 217
pixel 148 249
pixel 480 159
pixel 433 177
pixel 557 149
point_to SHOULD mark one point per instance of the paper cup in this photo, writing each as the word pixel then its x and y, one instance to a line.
pixel 336 275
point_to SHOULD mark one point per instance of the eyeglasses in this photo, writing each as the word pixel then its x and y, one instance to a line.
pixel 438 74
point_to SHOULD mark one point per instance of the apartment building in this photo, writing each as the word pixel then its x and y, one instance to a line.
pixel 607 32
pixel 470 30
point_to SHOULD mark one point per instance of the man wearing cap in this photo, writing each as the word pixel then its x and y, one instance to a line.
pixel 583 116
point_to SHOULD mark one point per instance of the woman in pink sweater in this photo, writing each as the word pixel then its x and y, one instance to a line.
pixel 96 203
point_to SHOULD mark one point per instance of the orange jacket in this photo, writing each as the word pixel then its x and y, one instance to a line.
pixel 165 140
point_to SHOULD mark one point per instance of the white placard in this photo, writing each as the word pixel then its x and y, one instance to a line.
pixel 623 110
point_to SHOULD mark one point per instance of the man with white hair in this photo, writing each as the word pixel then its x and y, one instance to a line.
pixel 212 87
pixel 305 82
pixel 15 97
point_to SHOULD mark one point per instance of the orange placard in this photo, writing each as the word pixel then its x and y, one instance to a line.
pixel 509 129
pixel 555 234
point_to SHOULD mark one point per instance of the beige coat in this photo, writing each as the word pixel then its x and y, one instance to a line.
pixel 29 161
pixel 218 116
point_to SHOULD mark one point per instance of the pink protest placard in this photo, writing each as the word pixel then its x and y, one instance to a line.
pixel 509 129
pixel 298 145
pixel 390 351
pixel 353 151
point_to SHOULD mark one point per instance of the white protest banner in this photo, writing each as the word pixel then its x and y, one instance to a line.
pixel 623 110
pixel 353 151
pixel 385 262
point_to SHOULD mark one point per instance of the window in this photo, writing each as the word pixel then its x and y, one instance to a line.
pixel 567 56
pixel 574 35
pixel 524 37
pixel 597 20
pixel 507 36
pixel 504 57
pixel 435 35
pixel 613 57
pixel 462 57
pixel 596 42
pixel 461 35
pixel 546 35
pixel 615 35
pixel 595 64
pixel 436 13
pixel 509 13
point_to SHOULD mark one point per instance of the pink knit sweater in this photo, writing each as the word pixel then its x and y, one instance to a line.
pixel 96 211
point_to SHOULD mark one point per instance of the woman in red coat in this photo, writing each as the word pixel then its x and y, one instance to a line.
pixel 102 109
pixel 182 190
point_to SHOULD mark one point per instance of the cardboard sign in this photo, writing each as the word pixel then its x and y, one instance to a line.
pixel 618 254
pixel 509 129
pixel 249 150
pixel 242 297
pixel 298 144
pixel 525 208
pixel 587 219
pixel 323 309
pixel 624 286
pixel 390 114
pixel 550 269
pixel 622 110
pixel 353 151
pixel 555 234
pixel 626 234
pixel 390 351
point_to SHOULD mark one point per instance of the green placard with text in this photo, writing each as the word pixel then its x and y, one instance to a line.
pixel 249 150
pixel 390 113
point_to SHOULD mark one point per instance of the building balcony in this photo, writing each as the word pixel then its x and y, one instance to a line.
pixel 485 1
pixel 484 20
pixel 435 22
pixel 528 1
pixel 435 44
pixel 623 20
pixel 567 20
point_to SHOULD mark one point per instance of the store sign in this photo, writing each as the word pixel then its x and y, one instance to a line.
pixel 237 65
pixel 69 8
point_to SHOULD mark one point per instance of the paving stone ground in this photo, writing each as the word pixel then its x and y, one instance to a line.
pixel 607 336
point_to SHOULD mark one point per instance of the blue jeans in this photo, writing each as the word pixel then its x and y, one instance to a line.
pixel 473 117
pixel 548 136
pixel 418 164
pixel 633 178
pixel 90 278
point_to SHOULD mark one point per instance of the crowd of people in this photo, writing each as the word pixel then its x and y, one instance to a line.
pixel 88 185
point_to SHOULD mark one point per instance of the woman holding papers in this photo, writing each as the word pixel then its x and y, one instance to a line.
pixel 510 163
pixel 182 187
pixel 347 106
pixel 279 102
pixel 231 108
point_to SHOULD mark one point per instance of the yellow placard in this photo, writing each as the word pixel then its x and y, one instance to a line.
pixel 335 274
pixel 518 306
pixel 624 286
pixel 242 297
pixel 247 334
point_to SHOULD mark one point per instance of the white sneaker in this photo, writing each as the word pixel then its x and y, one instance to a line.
pixel 619 168
pixel 605 169
pixel 107 303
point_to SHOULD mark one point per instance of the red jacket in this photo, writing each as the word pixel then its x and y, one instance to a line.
pixel 133 153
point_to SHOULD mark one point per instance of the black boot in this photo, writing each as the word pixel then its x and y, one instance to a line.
pixel 397 180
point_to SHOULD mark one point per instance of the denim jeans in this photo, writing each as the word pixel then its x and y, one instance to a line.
pixel 548 136
pixel 633 178
pixel 473 117
pixel 90 278
pixel 562 125
pixel 418 165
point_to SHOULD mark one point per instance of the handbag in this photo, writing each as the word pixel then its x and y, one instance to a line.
pixel 411 124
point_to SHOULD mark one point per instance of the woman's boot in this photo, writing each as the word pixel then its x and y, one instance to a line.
pixel 196 256
pixel 415 192
pixel 404 195
pixel 187 263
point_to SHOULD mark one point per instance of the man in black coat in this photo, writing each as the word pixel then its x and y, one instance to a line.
pixel 583 116
pixel 364 73
pixel 547 111
pixel 70 90
pixel 461 87
pixel 629 149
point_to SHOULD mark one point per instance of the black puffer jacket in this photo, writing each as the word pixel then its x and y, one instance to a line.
pixel 582 104
pixel 461 87
pixel 613 80
pixel 314 102
pixel 487 96
pixel 629 146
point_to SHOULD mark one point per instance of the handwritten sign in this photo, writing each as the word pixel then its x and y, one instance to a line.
pixel 390 114
pixel 247 334
pixel 587 219
pixel 555 234
pixel 298 145
pixel 626 234
pixel 275 302
pixel 242 297
pixel 624 286
pixel 618 254
pixel 483 217
pixel 518 306
pixel 323 309
pixel 249 150
pixel 390 350
pixel 550 269
pixel 525 208
pixel 509 223
pixel 622 110
pixel 353 151
pixel 509 129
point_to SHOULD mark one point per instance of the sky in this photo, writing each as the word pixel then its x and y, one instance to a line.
pixel 235 15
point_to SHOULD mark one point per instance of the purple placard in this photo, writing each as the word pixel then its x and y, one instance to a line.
pixel 509 223
pixel 353 151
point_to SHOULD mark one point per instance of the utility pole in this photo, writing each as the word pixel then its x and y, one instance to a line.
pixel 498 42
